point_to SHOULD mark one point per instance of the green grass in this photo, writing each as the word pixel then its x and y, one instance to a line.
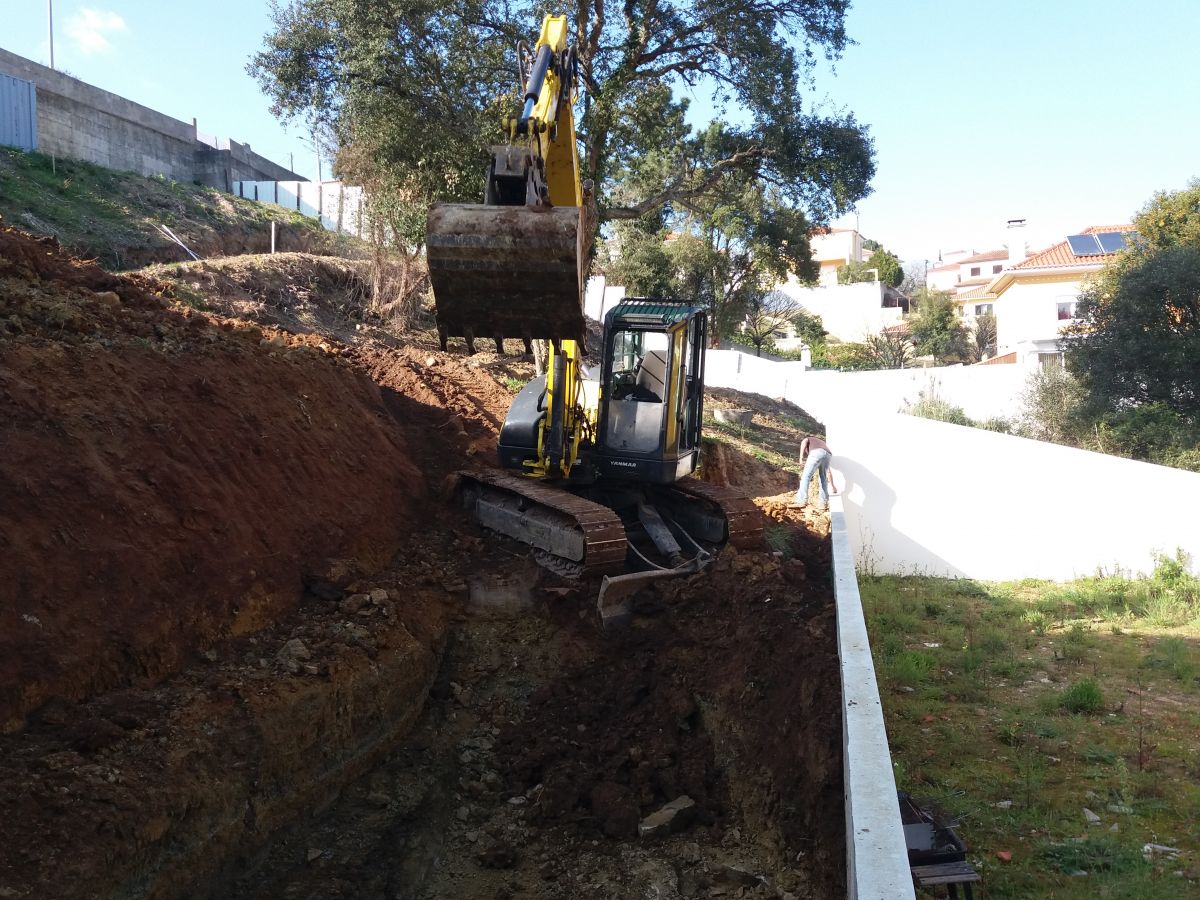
pixel 1082 697
pixel 110 216
pixel 1051 698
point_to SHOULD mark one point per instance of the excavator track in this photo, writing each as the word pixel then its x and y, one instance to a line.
pixel 743 520
pixel 584 538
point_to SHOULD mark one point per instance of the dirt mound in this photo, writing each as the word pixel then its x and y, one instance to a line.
pixel 298 292
pixel 168 477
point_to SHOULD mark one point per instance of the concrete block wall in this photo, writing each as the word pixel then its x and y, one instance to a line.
pixel 77 120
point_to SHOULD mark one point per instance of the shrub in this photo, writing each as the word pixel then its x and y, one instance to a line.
pixel 1099 853
pixel 1082 697
pixel 911 667
pixel 929 405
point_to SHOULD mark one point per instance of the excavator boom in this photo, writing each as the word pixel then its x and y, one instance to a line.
pixel 512 267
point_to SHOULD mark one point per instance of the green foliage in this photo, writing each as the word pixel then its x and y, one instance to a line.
pixel 102 214
pixel 929 405
pixel 888 266
pixel 983 337
pixel 425 87
pixel 1136 340
pixel 637 258
pixel 1097 853
pixel 1135 345
pixel 779 539
pixel 911 667
pixel 843 356
pixel 854 272
pixel 936 328
pixel 880 266
pixel 1175 656
pixel 1050 407
pixel 1082 696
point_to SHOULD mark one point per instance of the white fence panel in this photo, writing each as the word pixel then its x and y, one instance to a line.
pixel 287 194
pixel 309 198
pixel 338 207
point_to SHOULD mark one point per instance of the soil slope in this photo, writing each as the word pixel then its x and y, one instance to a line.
pixel 168 477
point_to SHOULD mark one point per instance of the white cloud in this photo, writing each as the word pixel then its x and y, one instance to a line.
pixel 90 29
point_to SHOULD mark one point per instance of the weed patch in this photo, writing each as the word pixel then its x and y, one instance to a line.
pixel 1022 703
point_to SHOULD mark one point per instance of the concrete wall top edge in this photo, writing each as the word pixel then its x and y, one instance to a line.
pixel 54 82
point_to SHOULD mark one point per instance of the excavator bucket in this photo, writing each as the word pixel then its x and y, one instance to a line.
pixel 506 271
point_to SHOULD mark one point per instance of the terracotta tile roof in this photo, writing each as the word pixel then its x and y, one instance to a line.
pixel 978 279
pixel 975 294
pixel 947 267
pixel 999 360
pixel 989 256
pixel 1061 256
pixel 1101 229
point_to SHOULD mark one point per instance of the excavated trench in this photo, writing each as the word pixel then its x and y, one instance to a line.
pixel 248 651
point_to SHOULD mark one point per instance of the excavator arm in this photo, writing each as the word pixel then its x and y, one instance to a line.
pixel 512 267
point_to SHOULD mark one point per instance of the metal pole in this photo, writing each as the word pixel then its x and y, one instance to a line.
pixel 50 22
pixel 272 237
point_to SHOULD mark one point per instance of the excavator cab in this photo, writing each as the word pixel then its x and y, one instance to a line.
pixel 651 396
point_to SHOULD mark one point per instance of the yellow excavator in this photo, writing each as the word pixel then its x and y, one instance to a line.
pixel 594 473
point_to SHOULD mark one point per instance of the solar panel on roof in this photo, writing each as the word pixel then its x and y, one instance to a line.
pixel 1085 245
pixel 1111 241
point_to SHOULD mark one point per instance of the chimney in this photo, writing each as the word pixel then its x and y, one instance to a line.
pixel 1016 241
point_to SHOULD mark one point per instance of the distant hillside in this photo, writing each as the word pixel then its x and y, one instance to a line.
pixel 111 216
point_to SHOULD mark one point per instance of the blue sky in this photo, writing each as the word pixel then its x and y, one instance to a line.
pixel 185 59
pixel 1063 112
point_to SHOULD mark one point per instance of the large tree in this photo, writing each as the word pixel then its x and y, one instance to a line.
pixel 1136 340
pixel 1135 345
pixel 428 84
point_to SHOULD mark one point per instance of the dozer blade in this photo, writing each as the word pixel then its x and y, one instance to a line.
pixel 505 271
pixel 615 590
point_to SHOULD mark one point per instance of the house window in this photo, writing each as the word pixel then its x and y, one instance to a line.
pixel 1066 310
pixel 996 269
pixel 1049 360
pixel 974 271
pixel 983 309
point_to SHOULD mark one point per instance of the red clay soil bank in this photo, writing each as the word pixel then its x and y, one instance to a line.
pixel 168 478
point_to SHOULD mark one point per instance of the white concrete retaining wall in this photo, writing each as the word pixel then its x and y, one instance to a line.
pixel 982 391
pixel 876 856
pixel 940 499
pixel 77 120
pixel 1022 508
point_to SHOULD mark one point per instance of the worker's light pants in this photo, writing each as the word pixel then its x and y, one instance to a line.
pixel 817 460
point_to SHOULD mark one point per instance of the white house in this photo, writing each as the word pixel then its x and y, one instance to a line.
pixel 1034 299
pixel 850 312
pixel 833 248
